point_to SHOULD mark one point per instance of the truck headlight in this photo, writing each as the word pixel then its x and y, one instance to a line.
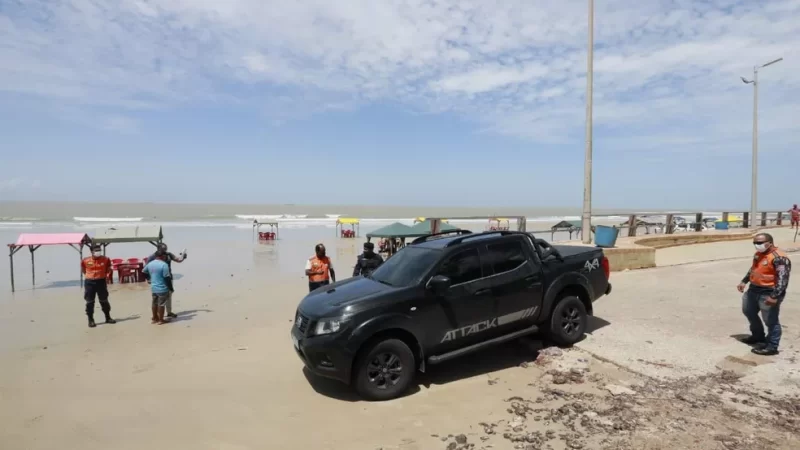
pixel 330 325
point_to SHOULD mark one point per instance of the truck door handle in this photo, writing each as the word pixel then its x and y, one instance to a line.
pixel 482 291
pixel 532 278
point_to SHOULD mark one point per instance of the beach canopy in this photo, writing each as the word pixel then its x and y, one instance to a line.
pixel 141 233
pixel 348 221
pixel 395 230
pixel 35 240
pixel 424 228
pixel 567 224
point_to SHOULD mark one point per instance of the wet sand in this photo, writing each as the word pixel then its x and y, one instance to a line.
pixel 225 376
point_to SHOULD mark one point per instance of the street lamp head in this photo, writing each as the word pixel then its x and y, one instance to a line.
pixel 745 81
pixel 772 62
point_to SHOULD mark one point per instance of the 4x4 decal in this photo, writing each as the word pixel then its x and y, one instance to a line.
pixel 480 327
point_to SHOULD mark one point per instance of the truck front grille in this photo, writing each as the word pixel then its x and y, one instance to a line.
pixel 301 322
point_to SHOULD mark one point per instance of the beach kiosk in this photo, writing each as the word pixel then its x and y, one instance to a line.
pixel 270 235
pixel 35 240
pixel 140 233
pixel 347 227
pixel 393 237
pixel 498 224
pixel 129 270
pixel 569 226
pixel 424 227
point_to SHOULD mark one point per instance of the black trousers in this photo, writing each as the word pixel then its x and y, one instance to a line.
pixel 312 285
pixel 99 289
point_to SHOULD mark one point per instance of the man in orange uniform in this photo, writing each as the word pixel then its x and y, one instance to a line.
pixel 96 269
pixel 319 269
pixel 768 278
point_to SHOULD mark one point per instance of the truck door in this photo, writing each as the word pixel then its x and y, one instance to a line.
pixel 467 309
pixel 517 284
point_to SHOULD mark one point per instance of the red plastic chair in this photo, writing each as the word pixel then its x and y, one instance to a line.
pixel 127 274
pixel 133 260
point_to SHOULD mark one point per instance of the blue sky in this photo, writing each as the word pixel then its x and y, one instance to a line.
pixel 397 102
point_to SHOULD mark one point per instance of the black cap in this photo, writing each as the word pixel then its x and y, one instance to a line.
pixel 369 246
pixel 94 247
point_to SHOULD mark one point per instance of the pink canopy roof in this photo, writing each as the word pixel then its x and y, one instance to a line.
pixel 50 239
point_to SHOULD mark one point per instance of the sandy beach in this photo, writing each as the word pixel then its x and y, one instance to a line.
pixel 224 375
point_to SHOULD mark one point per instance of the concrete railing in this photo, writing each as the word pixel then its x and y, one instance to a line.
pixel 670 223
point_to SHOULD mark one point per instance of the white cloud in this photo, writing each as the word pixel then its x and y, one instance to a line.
pixel 515 67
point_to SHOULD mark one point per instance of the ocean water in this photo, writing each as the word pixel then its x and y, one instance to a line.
pixel 220 238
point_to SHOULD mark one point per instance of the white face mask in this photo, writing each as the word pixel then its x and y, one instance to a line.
pixel 761 248
pixel 97 254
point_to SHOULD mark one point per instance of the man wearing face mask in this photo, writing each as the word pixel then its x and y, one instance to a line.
pixel 367 261
pixel 96 269
pixel 768 277
pixel 319 269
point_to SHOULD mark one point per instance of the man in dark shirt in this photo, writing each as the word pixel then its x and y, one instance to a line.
pixel 367 261
pixel 168 258
pixel 768 277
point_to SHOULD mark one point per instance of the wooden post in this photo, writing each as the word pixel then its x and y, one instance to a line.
pixel 725 216
pixel 746 219
pixel 698 222
pixel 763 219
pixel 11 251
pixel 436 225
pixel 33 265
pixel 522 224
pixel 779 220
pixel 632 225
pixel 670 227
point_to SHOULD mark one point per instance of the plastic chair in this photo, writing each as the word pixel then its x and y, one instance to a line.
pixel 126 274
pixel 117 261
pixel 133 260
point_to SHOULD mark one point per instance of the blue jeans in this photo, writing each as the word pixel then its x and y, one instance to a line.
pixel 755 310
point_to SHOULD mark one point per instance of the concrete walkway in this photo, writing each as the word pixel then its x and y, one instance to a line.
pixel 679 321
pixel 784 238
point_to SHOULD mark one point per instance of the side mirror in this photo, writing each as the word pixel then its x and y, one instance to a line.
pixel 439 284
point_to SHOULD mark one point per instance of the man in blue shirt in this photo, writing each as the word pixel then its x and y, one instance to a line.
pixel 162 249
pixel 158 275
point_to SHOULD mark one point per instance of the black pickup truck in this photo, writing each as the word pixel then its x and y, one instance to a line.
pixel 445 296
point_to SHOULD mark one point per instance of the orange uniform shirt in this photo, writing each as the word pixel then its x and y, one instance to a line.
pixel 317 264
pixel 96 268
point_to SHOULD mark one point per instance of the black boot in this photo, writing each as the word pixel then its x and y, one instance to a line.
pixel 109 319
pixel 91 322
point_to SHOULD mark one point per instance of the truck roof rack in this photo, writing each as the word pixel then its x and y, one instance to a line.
pixel 485 233
pixel 428 237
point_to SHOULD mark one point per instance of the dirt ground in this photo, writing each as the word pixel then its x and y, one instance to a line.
pixel 577 402
pixel 659 370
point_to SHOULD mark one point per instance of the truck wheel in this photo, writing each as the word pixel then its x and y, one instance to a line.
pixel 384 370
pixel 568 321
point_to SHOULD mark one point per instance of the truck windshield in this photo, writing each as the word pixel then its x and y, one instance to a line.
pixel 406 267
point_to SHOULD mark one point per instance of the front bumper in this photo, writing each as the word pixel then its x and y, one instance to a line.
pixel 324 355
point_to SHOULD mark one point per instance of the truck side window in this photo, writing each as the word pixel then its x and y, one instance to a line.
pixel 462 267
pixel 506 256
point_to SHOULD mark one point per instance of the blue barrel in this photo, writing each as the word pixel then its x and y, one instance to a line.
pixel 720 225
pixel 605 236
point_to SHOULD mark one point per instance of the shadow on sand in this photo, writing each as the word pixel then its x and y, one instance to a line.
pixel 739 338
pixel 484 362
pixel 189 314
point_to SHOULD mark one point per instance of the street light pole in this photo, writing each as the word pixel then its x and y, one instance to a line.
pixel 754 180
pixel 586 222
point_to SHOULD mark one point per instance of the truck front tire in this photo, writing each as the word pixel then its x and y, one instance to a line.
pixel 568 321
pixel 384 370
